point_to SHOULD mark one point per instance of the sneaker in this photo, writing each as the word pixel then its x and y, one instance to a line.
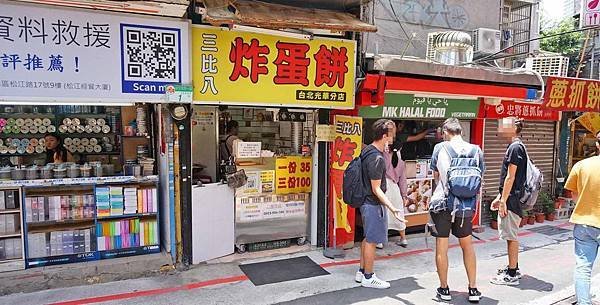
pixel 444 294
pixel 402 243
pixel 505 279
pixel 359 277
pixel 505 270
pixel 374 282
pixel 474 295
pixel 379 246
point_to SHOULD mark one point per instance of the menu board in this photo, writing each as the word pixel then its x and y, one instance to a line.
pixel 248 149
pixel 293 174
pixel 419 195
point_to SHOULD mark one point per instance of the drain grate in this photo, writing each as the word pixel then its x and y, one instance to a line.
pixel 549 230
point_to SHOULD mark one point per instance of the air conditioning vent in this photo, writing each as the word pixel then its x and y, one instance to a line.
pixel 549 65
pixel 486 41
pixel 430 49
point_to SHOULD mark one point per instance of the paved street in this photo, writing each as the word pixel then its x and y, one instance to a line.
pixel 546 261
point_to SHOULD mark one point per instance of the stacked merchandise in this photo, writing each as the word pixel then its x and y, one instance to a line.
pixel 126 233
pixel 10 224
pixel 130 194
pixel 59 243
pixel 58 208
pixel 9 200
pixel 117 200
pixel 11 248
pixel 147 200
pixel 102 201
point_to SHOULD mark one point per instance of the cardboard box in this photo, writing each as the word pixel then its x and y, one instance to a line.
pixel 10 200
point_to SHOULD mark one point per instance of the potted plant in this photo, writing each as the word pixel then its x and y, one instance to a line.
pixel 539 215
pixel 524 219
pixel 494 219
pixel 530 218
pixel 546 202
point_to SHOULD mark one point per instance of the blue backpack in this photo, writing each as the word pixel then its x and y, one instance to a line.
pixel 354 190
pixel 464 179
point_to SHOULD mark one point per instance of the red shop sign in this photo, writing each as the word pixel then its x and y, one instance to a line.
pixel 527 111
pixel 572 94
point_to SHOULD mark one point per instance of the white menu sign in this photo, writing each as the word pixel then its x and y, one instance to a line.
pixel 248 149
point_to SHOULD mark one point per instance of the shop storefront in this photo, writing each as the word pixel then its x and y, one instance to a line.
pixel 81 145
pixel 257 99
pixel 539 136
pixel 421 105
pixel 579 102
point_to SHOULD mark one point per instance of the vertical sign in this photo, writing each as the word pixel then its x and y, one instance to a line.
pixel 346 146
pixel 590 13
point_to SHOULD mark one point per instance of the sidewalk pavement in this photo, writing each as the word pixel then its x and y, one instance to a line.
pixel 546 260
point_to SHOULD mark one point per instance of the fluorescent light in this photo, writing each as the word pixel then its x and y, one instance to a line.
pixel 271 32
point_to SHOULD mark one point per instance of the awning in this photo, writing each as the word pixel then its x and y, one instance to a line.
pixel 171 8
pixel 277 16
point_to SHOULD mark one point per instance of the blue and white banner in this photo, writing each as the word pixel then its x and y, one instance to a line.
pixel 49 54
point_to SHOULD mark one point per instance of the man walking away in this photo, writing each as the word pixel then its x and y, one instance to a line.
pixel 374 217
pixel 513 176
pixel 446 216
pixel 584 182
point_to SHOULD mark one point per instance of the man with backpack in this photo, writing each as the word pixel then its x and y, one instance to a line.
pixel 364 188
pixel 458 168
pixel 584 183
pixel 513 177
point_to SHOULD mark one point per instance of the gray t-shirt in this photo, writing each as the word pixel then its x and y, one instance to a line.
pixel 373 164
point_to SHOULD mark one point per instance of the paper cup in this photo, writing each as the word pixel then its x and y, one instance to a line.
pixel 85 141
pixel 68 141
pixel 80 129
pixel 43 129
pixel 34 142
pixel 25 142
pixel 76 141
pixel 40 149
pixel 46 122
pixel 97 148
pixel 37 122
pixel 91 122
pixel 88 129
pixel 105 129
pixel 76 121
pixel 42 142
pixel 96 129
pixel 25 129
pixel 80 149
pixel 100 122
pixel 28 122
pixel 12 150
pixel 89 148
pixel 51 128
pixel 71 129
pixel 67 121
pixel 93 141
pixel 10 121
pixel 30 149
pixel 3 149
pixel 34 129
pixel 19 122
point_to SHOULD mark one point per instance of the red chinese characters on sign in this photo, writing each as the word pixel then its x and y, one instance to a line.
pixel 569 94
pixel 293 175
pixel 343 150
pixel 255 53
pixel 528 111
pixel 292 63
pixel 331 66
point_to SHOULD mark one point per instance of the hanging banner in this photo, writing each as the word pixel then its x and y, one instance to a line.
pixel 409 106
pixel 54 54
pixel 591 122
pixel 527 111
pixel 239 67
pixel 346 146
pixel 293 175
pixel 572 94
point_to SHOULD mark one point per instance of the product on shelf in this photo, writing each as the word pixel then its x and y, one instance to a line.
pixel 58 208
pixel 11 248
pixel 59 243
pixel 9 200
pixel 117 200
pixel 10 224
pixel 126 233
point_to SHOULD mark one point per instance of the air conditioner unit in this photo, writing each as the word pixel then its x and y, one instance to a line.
pixel 430 50
pixel 548 65
pixel 486 41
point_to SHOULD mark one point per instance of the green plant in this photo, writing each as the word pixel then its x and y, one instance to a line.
pixel 546 202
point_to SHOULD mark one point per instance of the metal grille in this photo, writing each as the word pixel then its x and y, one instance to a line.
pixel 516 19
pixel 539 137
pixel 549 65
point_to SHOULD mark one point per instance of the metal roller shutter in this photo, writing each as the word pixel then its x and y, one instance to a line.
pixel 538 136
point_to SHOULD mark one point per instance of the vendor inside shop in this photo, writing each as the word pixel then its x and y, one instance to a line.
pixel 55 151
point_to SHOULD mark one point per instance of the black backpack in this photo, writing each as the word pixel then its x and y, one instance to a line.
pixel 353 187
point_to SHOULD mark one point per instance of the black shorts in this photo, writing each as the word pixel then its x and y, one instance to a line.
pixel 443 225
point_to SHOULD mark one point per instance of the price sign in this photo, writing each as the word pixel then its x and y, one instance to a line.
pixel 248 149
pixel 293 175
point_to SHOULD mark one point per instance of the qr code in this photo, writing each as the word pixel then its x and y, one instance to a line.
pixel 151 53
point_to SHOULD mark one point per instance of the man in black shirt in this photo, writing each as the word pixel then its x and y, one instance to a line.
pixel 513 176
pixel 374 217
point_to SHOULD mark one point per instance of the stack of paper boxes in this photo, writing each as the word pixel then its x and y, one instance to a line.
pixel 10 224
pixel 9 200
pixel 11 248
pixel 147 200
pixel 126 233
pixel 102 201
pixel 131 200
pixel 56 208
pixel 117 201
pixel 59 243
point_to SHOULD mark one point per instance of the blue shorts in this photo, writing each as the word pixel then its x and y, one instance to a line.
pixel 374 220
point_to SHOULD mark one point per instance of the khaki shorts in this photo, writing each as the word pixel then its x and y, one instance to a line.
pixel 508 227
